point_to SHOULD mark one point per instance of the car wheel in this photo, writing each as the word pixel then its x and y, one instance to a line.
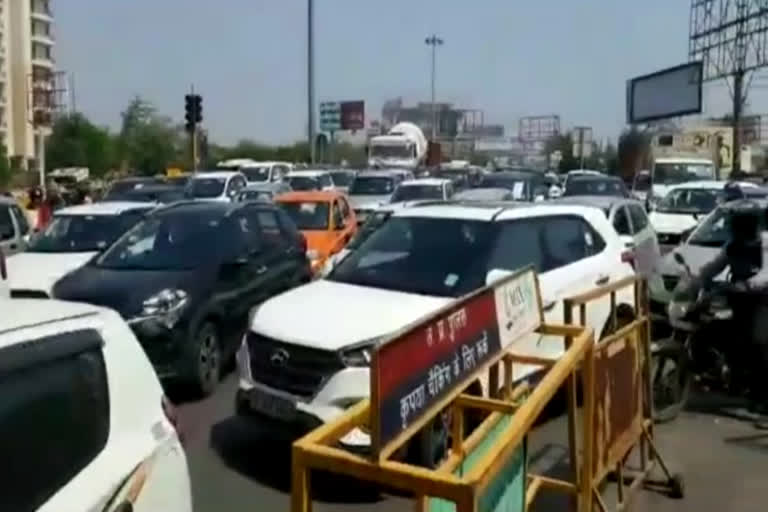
pixel 205 364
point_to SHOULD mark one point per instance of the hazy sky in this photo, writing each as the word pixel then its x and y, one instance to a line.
pixel 248 57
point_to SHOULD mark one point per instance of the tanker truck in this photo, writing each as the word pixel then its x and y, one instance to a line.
pixel 404 146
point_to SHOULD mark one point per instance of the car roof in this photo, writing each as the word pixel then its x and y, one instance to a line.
pixel 205 207
pixel 325 196
pixel 35 312
pixel 711 184
pixel 105 208
pixel 216 174
pixel 514 174
pixel 593 177
pixel 483 193
pixel 308 173
pixel 376 174
pixel 489 211
pixel 591 172
pixel 682 160
pixel 603 202
pixel 434 182
pixel 265 187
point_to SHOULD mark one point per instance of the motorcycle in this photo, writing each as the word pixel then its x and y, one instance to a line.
pixel 699 348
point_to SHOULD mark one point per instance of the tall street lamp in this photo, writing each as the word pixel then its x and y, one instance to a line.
pixel 310 80
pixel 434 42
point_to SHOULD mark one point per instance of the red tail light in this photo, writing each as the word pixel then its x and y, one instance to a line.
pixel 628 257
pixel 3 269
pixel 173 416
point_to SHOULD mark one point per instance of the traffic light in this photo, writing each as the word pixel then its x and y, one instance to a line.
pixel 198 103
pixel 193 111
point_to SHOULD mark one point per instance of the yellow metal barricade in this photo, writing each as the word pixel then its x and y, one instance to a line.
pixel 618 402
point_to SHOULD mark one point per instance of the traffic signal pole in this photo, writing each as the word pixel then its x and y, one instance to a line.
pixel 193 134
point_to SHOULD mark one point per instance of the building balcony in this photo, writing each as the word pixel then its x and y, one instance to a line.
pixel 39 13
pixel 44 62
pixel 43 38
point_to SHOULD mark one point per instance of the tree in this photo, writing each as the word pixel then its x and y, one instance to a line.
pixel 148 142
pixel 5 168
pixel 633 153
pixel 76 142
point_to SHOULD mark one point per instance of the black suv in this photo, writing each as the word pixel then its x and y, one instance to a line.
pixel 186 277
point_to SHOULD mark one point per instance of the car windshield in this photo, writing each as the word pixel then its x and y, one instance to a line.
pixel 177 181
pixel 372 186
pixel 83 233
pixel 689 200
pixel 594 187
pixel 374 222
pixel 164 195
pixel 417 192
pixel 304 183
pixel 674 173
pixel 169 241
pixel 389 151
pixel 440 257
pixel 120 187
pixel 342 178
pixel 206 187
pixel 308 215
pixel 518 186
pixel 256 173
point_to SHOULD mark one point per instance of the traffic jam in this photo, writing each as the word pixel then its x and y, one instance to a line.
pixel 294 274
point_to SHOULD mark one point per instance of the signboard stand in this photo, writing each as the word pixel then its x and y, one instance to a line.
pixel 486 470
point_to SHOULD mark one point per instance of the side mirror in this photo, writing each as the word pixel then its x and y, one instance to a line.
pixel 627 241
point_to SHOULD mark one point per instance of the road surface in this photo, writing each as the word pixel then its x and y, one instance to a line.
pixel 235 467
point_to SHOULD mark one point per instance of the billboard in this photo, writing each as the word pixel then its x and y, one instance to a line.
pixel 538 128
pixel 667 93
pixel 352 115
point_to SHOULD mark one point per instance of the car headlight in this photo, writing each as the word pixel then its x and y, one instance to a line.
pixel 165 301
pixel 677 310
pixel 167 304
pixel 359 354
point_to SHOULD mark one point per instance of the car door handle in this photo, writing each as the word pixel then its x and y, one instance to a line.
pixel 13 247
pixel 601 280
pixel 262 269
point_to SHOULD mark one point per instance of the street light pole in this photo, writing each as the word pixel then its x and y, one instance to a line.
pixel 311 80
pixel 434 42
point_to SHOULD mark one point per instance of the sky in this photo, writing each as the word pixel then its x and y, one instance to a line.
pixel 248 58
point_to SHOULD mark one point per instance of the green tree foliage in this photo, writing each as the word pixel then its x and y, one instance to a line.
pixel 5 168
pixel 76 142
pixel 148 143
pixel 633 153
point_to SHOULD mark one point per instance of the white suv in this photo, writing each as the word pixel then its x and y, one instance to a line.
pixel 84 424
pixel 418 260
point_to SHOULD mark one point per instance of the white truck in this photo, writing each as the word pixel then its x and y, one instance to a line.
pixel 404 146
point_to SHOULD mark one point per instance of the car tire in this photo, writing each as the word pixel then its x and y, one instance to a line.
pixel 205 359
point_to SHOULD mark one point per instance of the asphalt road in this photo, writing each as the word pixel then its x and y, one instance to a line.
pixel 236 467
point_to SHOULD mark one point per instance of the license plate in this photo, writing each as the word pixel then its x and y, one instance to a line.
pixel 271 405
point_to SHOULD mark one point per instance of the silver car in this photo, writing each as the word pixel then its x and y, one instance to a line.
pixel 14 227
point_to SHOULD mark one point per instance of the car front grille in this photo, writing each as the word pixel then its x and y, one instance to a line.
pixel 670 282
pixel 29 294
pixel 669 238
pixel 287 367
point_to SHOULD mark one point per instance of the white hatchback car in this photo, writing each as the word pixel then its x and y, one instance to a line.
pixel 84 423
pixel 216 185
pixel 74 236
pixel 420 259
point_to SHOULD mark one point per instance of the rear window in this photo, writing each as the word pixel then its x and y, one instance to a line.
pixel 54 415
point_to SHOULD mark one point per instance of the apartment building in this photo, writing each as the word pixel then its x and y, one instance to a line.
pixel 26 73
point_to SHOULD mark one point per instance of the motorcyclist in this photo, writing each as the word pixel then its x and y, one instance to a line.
pixel 748 298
